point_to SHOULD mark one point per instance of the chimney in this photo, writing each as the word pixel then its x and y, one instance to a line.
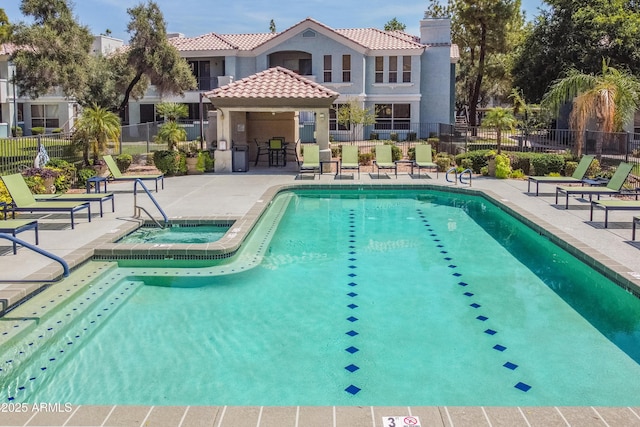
pixel 435 31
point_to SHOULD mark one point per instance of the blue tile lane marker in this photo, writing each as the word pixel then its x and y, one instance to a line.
pixel 352 389
pixel 509 365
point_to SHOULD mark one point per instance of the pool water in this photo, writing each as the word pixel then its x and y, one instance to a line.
pixel 372 298
pixel 177 233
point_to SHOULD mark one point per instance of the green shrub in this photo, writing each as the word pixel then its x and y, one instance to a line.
pixel 570 168
pixel 503 166
pixel 170 162
pixel 336 150
pixel 434 141
pixel 124 161
pixel 56 130
pixel 411 136
pixel 4 193
pixel 84 175
pixel 444 162
pixel 16 131
pixel 594 168
pixel 38 130
pixel 373 135
pixel 205 162
pixel 67 173
pixel 365 158
pixel 396 152
pixel 466 164
pixel 478 159
pixel 393 136
pixel 544 164
pixel 517 174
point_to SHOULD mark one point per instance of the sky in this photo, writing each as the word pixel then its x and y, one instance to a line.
pixel 197 17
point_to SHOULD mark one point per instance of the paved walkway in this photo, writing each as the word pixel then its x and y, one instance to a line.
pixel 233 195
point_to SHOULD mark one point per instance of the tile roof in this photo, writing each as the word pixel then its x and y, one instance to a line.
pixel 7 48
pixel 273 83
pixel 369 38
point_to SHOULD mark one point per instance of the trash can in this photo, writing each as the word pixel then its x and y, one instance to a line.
pixel 240 158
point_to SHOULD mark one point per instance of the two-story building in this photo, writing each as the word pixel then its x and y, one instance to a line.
pixel 408 81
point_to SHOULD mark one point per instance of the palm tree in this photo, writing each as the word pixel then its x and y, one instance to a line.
pixel 171 133
pixel 94 129
pixel 172 111
pixel 611 98
pixel 500 119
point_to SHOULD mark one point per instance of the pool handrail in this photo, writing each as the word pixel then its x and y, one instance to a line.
pixel 137 209
pixel 460 176
pixel 455 175
pixel 62 262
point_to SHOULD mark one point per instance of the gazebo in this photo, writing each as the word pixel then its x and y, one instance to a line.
pixel 266 105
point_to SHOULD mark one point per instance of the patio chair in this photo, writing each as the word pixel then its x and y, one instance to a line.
pixel 576 178
pixel 310 160
pixel 424 158
pixel 614 205
pixel 15 226
pixel 613 187
pixel 292 150
pixel 384 159
pixel 350 159
pixel 116 175
pixel 23 200
pixel 71 197
pixel 262 149
pixel 277 149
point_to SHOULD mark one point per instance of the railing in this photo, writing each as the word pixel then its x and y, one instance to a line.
pixel 62 262
pixel 19 153
pixel 137 209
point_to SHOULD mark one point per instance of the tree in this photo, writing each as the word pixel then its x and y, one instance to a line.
pixel 394 25
pixel 172 111
pixel 353 116
pixel 577 34
pixel 55 49
pixel 5 27
pixel 272 26
pixel 171 133
pixel 500 119
pixel 94 129
pixel 481 29
pixel 151 55
pixel 610 98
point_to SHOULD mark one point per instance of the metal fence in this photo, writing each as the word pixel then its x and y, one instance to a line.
pixel 18 153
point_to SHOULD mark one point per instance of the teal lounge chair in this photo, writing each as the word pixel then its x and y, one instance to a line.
pixel 614 205
pixel 23 200
pixel 613 187
pixel 350 159
pixel 384 159
pixel 116 175
pixel 424 158
pixel 576 178
pixel 71 197
pixel 310 159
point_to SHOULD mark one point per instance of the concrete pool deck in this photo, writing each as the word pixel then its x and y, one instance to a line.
pixel 233 196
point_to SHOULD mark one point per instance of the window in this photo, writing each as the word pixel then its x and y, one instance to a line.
pixel 393 116
pixel 45 116
pixel 202 72
pixel 327 68
pixel 406 69
pixel 393 69
pixel 346 68
pixel 333 118
pixel 147 113
pixel 194 110
pixel 305 67
pixel 379 69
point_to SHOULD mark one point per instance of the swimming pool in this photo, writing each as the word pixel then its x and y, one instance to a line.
pixel 357 298
pixel 178 233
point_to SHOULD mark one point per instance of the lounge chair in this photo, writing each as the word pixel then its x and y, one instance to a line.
pixel 15 226
pixel 23 200
pixel 424 158
pixel 310 160
pixel 350 159
pixel 384 159
pixel 613 187
pixel 262 149
pixel 576 178
pixel 71 197
pixel 614 205
pixel 116 175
